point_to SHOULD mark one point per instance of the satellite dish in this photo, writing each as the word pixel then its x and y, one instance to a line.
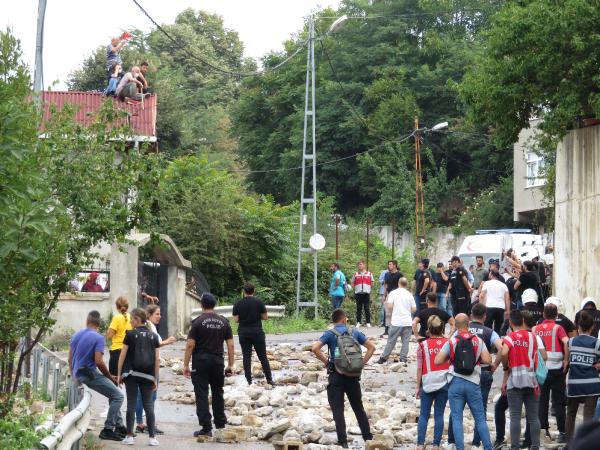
pixel 317 242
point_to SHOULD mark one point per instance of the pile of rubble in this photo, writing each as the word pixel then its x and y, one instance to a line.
pixel 296 409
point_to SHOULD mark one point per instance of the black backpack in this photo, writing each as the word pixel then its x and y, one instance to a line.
pixel 348 359
pixel 465 357
pixel 144 352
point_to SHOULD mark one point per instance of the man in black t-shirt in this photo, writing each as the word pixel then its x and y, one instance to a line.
pixel 249 312
pixel 422 283
pixel 390 282
pixel 529 279
pixel 420 320
pixel 205 347
pixel 459 288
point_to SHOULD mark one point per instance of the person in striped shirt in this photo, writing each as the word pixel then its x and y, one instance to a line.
pixel 583 382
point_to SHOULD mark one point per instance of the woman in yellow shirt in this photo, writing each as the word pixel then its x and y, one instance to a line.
pixel 116 333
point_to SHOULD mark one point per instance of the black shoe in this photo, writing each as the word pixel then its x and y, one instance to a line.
pixel 499 445
pixel 561 439
pixel 109 435
pixel 157 431
pixel 207 433
pixel 121 430
pixel 343 444
pixel 381 361
pixel 140 429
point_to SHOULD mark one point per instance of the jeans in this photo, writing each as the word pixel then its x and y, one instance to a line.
pixel 363 301
pixel 103 386
pixel 555 382
pixel 381 311
pixel 494 318
pixel 337 387
pixel 209 370
pixel 394 333
pixel 486 381
pixel 439 398
pixel 336 301
pixel 516 399
pixel 460 392
pixel 139 407
pixel 132 385
pixel 500 421
pixel 597 413
pixel 441 298
pixel 256 339
pixel 589 407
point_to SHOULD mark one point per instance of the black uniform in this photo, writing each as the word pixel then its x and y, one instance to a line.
pixel 461 303
pixel 210 331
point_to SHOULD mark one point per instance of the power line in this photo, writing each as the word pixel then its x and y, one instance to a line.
pixel 208 63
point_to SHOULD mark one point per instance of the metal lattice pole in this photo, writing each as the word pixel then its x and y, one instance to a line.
pixel 309 114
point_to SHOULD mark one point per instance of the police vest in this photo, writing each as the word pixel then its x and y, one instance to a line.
pixel 485 333
pixel 583 380
pixel 521 359
pixel 362 283
pixel 548 332
pixel 434 376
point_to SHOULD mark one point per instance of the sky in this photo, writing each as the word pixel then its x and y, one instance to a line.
pixel 74 28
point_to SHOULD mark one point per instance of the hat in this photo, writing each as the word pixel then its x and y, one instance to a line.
pixel 208 299
pixel 529 296
pixel 587 300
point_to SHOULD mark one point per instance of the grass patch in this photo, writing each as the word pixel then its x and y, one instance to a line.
pixel 285 325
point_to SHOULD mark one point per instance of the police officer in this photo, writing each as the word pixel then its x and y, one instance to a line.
pixel 459 288
pixel 205 347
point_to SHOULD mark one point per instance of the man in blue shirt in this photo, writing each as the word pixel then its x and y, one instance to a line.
pixel 342 384
pixel 86 365
pixel 337 286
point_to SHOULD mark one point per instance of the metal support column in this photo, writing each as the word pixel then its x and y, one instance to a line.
pixel 308 158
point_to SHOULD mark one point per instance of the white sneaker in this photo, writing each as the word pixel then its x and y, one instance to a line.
pixel 153 442
pixel 448 446
pixel 368 325
pixel 357 324
pixel 128 440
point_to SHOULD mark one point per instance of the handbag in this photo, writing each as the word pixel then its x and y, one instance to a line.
pixel 541 371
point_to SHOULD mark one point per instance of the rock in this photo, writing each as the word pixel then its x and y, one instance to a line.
pixel 292 435
pixel 274 428
pixel 177 368
pixel 289 379
pixel 328 440
pixel 275 365
pixel 313 437
pixel 309 377
pixel 234 420
pixel 354 430
pixel 264 411
pixel 263 401
pixel 252 420
pixel 36 407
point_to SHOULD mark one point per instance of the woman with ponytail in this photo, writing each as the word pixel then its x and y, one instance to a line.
pixel 119 325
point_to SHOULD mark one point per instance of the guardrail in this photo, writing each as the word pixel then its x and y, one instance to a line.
pixel 54 374
pixel 227 311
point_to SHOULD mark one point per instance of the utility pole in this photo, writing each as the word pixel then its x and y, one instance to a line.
pixel 393 238
pixel 368 232
pixel 337 218
pixel 38 74
pixel 308 156
pixel 419 196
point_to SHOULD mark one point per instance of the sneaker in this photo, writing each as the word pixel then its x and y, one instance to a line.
pixel 109 435
pixel 561 439
pixel 120 429
pixel 199 433
pixel 368 325
pixel 357 324
pixel 343 444
pixel 448 446
pixel 140 429
pixel 499 445
pixel 153 442
pixel 157 431
pixel 381 361
pixel 128 440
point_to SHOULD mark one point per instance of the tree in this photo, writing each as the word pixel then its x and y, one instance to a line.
pixel 59 198
pixel 538 59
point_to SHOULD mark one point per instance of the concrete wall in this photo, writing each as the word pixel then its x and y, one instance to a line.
pixel 72 309
pixel 527 200
pixel 443 243
pixel 577 227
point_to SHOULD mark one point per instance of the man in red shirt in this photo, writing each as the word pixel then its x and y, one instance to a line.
pixel 519 354
pixel 555 341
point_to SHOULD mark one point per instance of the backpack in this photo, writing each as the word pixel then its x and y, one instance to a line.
pixel 465 358
pixel 144 352
pixel 541 371
pixel 347 359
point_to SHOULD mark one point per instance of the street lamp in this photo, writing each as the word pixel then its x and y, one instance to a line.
pixel 310 114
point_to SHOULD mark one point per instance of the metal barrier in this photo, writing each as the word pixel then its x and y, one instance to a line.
pixel 227 311
pixel 54 375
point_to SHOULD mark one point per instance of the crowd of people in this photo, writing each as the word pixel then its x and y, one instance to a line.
pixel 126 86
pixel 467 323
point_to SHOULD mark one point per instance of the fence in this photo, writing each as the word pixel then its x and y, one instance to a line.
pixel 227 311
pixel 55 381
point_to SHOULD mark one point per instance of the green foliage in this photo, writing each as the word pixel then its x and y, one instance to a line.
pixel 59 198
pixel 490 209
pixel 539 59
pixel 290 324
pixel 17 433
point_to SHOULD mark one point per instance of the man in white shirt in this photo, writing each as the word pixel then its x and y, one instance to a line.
pixel 494 295
pixel 400 304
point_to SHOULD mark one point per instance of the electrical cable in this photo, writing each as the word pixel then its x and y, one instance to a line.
pixel 212 65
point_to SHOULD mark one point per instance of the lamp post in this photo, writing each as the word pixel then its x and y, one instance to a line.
pixel 309 154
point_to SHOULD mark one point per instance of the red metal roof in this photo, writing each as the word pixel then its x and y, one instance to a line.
pixel 142 117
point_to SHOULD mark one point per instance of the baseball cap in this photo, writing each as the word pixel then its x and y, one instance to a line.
pixel 529 296
pixel 587 300
pixel 208 299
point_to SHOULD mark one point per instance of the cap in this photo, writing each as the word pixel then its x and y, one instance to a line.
pixel 586 301
pixel 208 299
pixel 529 296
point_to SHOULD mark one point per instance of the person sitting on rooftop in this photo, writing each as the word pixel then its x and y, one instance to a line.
pixel 142 77
pixel 113 82
pixel 129 84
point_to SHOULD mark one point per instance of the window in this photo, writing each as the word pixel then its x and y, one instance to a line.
pixel 535 164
